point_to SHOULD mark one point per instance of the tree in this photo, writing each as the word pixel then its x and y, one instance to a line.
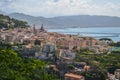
pixel 95 74
pixel 70 67
pixel 37 42
pixel 111 68
pixel 106 39
pixel 13 67
pixel 118 44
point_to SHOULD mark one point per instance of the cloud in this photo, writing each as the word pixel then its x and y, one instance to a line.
pixel 51 8
pixel 5 3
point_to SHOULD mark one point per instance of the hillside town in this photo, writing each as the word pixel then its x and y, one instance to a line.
pixel 31 38
pixel 42 44
pixel 58 49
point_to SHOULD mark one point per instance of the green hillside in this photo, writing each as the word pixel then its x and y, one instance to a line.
pixel 7 22
pixel 15 67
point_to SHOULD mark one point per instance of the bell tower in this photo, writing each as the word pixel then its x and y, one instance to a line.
pixel 34 29
pixel 42 28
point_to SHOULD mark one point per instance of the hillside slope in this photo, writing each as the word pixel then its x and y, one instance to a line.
pixel 7 22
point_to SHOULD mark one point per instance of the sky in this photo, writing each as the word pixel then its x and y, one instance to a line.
pixel 51 8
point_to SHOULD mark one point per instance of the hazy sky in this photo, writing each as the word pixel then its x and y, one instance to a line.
pixel 50 8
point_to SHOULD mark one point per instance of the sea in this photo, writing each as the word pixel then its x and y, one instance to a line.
pixel 96 32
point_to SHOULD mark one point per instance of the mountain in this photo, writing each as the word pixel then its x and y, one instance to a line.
pixel 69 21
pixel 35 20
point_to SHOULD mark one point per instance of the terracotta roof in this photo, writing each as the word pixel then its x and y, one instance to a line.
pixel 73 75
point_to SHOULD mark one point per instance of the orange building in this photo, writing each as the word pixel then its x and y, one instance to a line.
pixel 71 76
